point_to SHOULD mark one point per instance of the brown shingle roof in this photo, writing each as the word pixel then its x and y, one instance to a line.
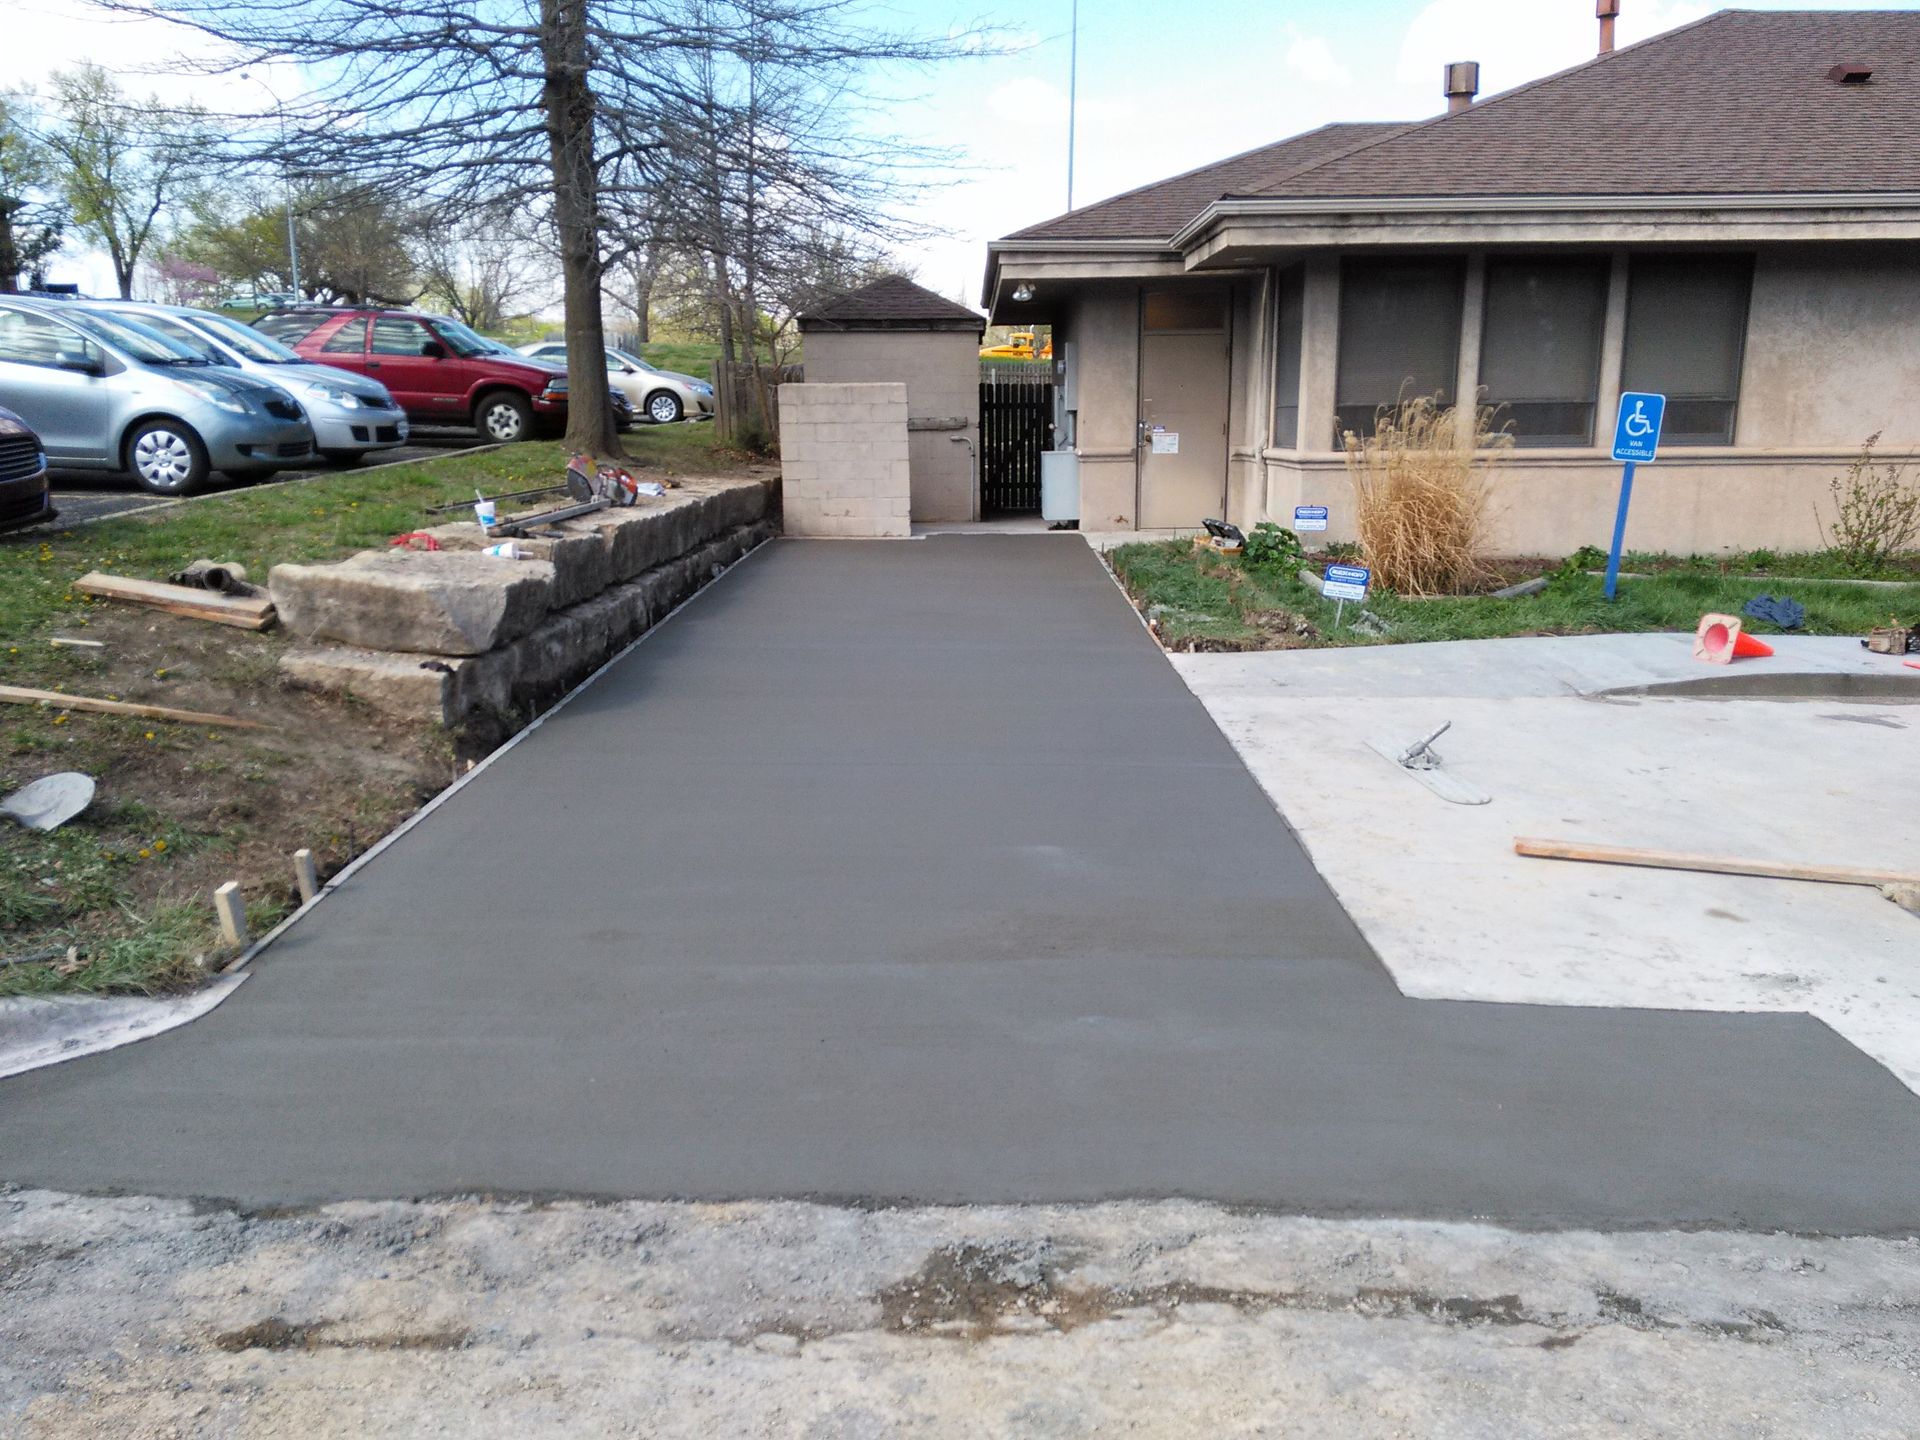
pixel 891 301
pixel 1155 212
pixel 1737 103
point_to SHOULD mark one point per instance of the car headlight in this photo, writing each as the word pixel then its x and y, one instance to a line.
pixel 214 395
pixel 346 399
pixel 700 387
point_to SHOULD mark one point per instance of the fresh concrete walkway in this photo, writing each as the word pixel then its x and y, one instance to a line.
pixel 912 870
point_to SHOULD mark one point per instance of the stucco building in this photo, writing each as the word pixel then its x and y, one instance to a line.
pixel 1728 214
pixel 894 331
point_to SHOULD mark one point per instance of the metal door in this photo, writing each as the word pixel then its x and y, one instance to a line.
pixel 396 358
pixel 1183 406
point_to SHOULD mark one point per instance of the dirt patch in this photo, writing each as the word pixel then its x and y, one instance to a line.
pixel 181 808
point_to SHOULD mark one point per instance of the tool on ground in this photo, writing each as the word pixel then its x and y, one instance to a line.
pixel 509 495
pixel 1420 760
pixel 1720 640
pixel 49 802
pixel 415 540
pixel 1713 864
pixel 245 612
pixel 588 480
pixel 521 527
pixel 59 700
pixel 1220 536
pixel 1780 610
pixel 220 576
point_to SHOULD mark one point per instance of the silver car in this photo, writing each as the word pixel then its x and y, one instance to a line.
pixel 663 396
pixel 352 415
pixel 107 393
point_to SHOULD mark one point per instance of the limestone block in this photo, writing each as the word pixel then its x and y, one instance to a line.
pixel 579 559
pixel 419 602
pixel 405 685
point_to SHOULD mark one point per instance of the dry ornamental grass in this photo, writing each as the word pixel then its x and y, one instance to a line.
pixel 1422 494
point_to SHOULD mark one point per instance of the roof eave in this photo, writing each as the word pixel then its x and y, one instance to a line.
pixel 1364 207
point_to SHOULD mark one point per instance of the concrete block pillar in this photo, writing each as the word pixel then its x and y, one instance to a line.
pixel 845 466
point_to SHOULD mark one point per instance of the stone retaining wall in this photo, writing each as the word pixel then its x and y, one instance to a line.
pixel 446 635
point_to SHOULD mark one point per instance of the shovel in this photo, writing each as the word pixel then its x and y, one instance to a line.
pixel 49 803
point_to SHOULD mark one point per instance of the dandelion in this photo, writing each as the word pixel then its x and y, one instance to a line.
pixel 159 846
pixel 149 734
pixel 59 719
pixel 159 674
pixel 146 854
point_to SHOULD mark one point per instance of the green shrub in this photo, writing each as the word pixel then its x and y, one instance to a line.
pixel 1271 548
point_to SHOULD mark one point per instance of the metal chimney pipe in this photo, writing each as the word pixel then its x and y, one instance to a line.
pixel 1608 11
pixel 1462 84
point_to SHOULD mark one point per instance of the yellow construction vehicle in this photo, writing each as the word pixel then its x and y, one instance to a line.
pixel 1019 346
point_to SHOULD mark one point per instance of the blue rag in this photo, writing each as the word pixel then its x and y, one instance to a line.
pixel 1787 614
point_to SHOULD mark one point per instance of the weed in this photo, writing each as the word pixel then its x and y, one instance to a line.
pixel 1876 512
pixel 1270 547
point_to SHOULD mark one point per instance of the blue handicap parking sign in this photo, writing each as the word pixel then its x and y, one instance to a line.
pixel 1636 434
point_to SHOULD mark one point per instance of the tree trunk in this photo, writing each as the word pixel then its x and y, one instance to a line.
pixel 569 104
pixel 9 252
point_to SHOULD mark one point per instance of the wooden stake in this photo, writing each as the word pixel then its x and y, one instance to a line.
pixel 304 875
pixel 246 612
pixel 20 695
pixel 231 906
pixel 1712 864
pixel 73 644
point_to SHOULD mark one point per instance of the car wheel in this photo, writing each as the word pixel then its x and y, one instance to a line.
pixel 504 416
pixel 167 458
pixel 345 459
pixel 663 407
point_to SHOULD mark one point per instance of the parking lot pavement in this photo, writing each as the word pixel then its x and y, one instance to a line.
pixel 83 495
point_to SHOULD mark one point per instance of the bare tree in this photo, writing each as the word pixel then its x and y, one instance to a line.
pixel 478 272
pixel 564 111
pixel 124 163
pixel 31 219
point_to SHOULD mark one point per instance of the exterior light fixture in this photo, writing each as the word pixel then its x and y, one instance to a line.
pixel 1023 292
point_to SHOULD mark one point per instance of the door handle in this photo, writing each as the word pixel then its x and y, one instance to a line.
pixel 373 364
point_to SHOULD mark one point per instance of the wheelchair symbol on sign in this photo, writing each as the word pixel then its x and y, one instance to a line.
pixel 1637 425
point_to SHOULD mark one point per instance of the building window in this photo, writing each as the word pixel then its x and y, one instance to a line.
pixel 1686 329
pixel 1286 373
pixel 1399 337
pixel 1189 309
pixel 1540 350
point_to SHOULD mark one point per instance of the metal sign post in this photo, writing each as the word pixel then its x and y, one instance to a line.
pixel 1341 583
pixel 1636 440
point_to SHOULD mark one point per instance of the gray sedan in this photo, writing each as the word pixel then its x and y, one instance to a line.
pixel 352 415
pixel 107 393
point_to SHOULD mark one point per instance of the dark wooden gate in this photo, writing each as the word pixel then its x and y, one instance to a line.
pixel 1016 424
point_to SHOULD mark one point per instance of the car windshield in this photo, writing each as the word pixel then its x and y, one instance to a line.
pixel 462 340
pixel 248 341
pixel 143 344
pixel 636 361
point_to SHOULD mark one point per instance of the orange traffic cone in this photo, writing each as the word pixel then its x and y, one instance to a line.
pixel 1720 641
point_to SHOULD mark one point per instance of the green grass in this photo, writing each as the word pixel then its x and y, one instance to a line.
pixel 325 517
pixel 689 357
pixel 1217 602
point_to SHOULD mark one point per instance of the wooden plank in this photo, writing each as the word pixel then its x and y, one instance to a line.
pixel 247 612
pixel 1713 864
pixel 19 695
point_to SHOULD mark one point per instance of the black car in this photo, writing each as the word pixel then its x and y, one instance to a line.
pixel 24 499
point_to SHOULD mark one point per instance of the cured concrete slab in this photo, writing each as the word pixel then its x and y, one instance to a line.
pixel 912 870
pixel 1621 754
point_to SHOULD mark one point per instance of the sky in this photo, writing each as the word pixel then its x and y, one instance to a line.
pixel 1164 86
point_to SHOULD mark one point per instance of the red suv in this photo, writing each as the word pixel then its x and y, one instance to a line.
pixel 441 372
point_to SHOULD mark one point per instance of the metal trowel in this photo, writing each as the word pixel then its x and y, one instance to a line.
pixel 50 802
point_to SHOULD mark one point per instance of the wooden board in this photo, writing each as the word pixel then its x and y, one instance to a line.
pixel 248 612
pixel 1713 864
pixel 19 695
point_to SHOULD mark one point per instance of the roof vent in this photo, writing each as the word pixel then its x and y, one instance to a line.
pixel 1850 73
pixel 1463 83
pixel 1608 11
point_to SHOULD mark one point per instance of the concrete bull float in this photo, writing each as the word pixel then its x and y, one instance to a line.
pixel 442 635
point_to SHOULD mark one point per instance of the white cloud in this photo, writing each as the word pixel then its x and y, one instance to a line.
pixel 1312 59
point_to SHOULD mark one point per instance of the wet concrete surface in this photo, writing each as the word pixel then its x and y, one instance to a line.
pixel 912 871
